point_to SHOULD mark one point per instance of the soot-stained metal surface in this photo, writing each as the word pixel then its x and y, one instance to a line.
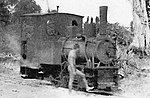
pixel 39 30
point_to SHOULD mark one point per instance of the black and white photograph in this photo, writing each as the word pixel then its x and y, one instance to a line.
pixel 74 48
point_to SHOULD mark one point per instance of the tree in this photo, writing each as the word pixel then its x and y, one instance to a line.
pixel 4 13
pixel 140 24
pixel 148 7
pixel 24 7
pixel 14 8
pixel 27 6
pixel 120 33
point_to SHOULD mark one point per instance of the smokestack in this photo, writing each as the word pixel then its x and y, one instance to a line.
pixel 57 9
pixel 103 19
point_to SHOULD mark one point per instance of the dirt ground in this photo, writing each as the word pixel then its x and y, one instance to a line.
pixel 13 86
pixel 16 87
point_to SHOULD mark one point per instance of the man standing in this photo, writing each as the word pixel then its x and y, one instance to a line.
pixel 72 68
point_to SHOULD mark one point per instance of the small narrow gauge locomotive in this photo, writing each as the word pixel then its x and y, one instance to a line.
pixel 46 40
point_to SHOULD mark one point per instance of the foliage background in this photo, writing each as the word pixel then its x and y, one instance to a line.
pixel 10 11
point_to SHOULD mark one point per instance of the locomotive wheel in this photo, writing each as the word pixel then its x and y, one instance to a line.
pixel 64 81
pixel 78 83
pixel 53 81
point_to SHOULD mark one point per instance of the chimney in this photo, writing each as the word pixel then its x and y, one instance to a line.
pixel 103 19
pixel 57 9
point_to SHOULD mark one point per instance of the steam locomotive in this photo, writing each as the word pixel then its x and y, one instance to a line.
pixel 46 40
